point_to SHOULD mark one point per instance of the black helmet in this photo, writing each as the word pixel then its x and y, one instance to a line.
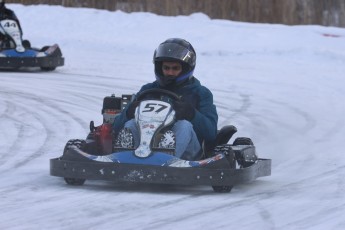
pixel 174 49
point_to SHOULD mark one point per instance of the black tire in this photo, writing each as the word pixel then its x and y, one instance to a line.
pixel 222 188
pixel 56 53
pixel 74 181
pixel 79 144
pixel 243 141
pixel 48 68
pixel 240 160
pixel 230 155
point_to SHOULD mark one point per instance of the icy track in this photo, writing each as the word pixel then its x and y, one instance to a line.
pixel 283 86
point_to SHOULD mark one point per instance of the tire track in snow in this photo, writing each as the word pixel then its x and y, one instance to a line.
pixel 230 202
pixel 38 105
pixel 256 200
pixel 6 121
pixel 47 134
pixel 178 220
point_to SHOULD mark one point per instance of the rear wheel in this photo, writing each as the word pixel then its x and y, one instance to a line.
pixel 222 189
pixel 74 181
pixel 243 141
pixel 250 158
pixel 48 68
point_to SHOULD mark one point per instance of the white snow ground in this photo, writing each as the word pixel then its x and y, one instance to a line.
pixel 283 86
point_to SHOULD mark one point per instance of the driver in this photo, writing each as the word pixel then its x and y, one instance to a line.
pixel 16 32
pixel 174 63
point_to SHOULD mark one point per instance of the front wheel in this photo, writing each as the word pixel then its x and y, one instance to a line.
pixel 80 144
pixel 222 188
pixel 74 181
pixel 48 69
pixel 230 155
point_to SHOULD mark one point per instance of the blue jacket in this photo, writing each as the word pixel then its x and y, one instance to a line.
pixel 206 117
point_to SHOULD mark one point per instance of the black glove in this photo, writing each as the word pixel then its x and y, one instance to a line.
pixel 131 109
pixel 183 110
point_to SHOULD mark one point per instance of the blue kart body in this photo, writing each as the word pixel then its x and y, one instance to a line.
pixel 98 158
pixel 47 58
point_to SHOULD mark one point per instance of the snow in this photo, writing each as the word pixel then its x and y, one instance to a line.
pixel 283 86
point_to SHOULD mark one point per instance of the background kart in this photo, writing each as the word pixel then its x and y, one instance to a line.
pixel 16 53
pixel 46 58
pixel 106 156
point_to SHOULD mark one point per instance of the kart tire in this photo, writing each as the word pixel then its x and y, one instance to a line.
pixel 80 145
pixel 222 189
pixel 48 68
pixel 232 161
pixel 58 53
pixel 74 181
pixel 243 141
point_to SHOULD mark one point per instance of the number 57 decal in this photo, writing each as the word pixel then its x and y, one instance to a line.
pixel 149 107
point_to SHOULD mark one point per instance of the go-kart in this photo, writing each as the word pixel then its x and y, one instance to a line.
pixel 16 53
pixel 104 155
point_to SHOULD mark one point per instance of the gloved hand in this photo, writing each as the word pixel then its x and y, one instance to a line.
pixel 183 110
pixel 131 109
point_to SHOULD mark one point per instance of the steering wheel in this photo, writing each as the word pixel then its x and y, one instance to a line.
pixel 157 93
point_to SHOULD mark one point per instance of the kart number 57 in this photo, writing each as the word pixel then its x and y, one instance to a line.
pixel 154 107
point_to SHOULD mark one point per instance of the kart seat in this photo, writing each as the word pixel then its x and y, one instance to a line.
pixel 223 136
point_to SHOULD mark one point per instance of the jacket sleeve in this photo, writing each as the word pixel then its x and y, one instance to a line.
pixel 206 117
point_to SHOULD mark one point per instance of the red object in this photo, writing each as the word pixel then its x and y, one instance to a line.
pixel 103 136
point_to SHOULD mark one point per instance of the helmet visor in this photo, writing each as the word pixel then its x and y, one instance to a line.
pixel 173 51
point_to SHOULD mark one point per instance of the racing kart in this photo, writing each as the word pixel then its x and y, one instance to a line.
pixel 104 155
pixel 16 53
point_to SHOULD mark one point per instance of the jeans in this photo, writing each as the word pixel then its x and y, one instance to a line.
pixel 187 143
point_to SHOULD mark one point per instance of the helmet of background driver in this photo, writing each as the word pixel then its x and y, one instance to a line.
pixel 174 50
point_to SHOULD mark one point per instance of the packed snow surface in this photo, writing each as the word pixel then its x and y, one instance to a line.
pixel 282 86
